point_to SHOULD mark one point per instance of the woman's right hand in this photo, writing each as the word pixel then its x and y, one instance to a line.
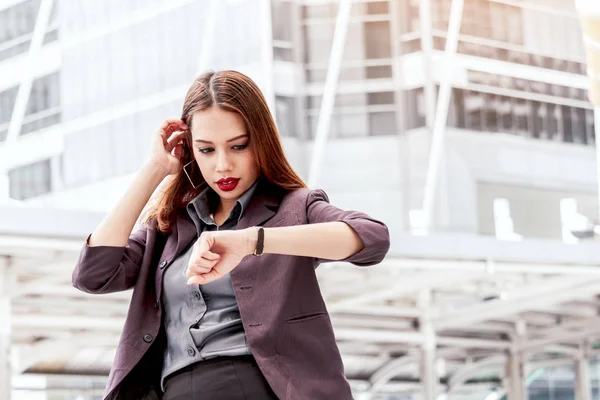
pixel 166 148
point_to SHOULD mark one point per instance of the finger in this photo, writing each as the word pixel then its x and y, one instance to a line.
pixel 170 126
pixel 178 151
pixel 209 255
pixel 197 270
pixel 173 121
pixel 173 140
pixel 201 265
pixel 204 278
pixel 204 244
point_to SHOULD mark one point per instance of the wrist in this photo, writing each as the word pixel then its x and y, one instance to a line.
pixel 155 170
pixel 251 240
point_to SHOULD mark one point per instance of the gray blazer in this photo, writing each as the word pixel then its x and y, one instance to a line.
pixel 288 328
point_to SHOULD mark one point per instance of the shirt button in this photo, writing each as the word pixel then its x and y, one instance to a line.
pixel 147 338
pixel 197 295
pixel 191 351
pixel 163 264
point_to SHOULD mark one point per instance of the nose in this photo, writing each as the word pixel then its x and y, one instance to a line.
pixel 223 162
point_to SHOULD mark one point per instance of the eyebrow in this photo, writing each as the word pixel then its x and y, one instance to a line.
pixel 230 140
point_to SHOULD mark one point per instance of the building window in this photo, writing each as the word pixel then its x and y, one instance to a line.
pixel 488 112
pixel 380 98
pixel 319 11
pixel 285 114
pixel 415 108
pixel 408 16
pixel 17 24
pixel 30 180
pixel 281 20
pixel 377 40
pixel 379 72
pixel 43 108
pixel 382 123
pixel 318 39
pixel 378 8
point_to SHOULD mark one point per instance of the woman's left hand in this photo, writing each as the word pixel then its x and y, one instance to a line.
pixel 216 254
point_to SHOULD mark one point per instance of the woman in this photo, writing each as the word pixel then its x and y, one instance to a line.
pixel 225 303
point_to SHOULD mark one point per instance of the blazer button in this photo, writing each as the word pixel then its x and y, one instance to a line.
pixel 191 351
pixel 163 264
pixel 147 338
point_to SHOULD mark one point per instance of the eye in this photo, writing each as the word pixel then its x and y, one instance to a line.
pixel 239 147
pixel 206 150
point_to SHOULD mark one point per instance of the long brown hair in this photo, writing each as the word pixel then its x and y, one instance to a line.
pixel 235 92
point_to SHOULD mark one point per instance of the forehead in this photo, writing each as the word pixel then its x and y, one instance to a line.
pixel 215 124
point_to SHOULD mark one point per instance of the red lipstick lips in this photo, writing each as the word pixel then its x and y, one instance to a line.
pixel 227 184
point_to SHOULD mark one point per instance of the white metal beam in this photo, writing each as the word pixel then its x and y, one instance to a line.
pixel 426 30
pixel 516 376
pixel 463 374
pixel 37 40
pixel 583 390
pixel 574 332
pixel 383 375
pixel 113 324
pixel 429 379
pixel 535 296
pixel 378 336
pixel 597 139
pixel 331 81
pixel 24 357
pixel 6 285
pixel 405 287
pixel 441 111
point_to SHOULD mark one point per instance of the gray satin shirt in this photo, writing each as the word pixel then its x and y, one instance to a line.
pixel 202 321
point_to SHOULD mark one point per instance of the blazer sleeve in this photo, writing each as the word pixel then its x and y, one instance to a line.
pixel 108 269
pixel 373 233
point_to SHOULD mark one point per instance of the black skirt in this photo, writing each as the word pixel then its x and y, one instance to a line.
pixel 221 378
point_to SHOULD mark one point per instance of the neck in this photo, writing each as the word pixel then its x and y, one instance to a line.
pixel 225 206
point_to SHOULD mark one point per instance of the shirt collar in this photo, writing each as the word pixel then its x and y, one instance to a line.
pixel 201 206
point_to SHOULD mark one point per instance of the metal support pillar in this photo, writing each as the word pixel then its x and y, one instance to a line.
pixel 426 30
pixel 428 374
pixel 333 73
pixel 441 110
pixel 6 282
pixel 597 140
pixel 583 390
pixel 516 377
pixel 515 365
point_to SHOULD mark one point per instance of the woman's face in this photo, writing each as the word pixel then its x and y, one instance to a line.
pixel 221 149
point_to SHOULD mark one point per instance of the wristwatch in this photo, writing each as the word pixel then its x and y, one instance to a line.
pixel 260 243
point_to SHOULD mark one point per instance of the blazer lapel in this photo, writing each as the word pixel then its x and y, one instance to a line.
pixel 181 236
pixel 262 207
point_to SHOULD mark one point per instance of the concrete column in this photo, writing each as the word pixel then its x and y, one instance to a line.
pixel 428 374
pixel 583 390
pixel 6 282
pixel 515 365
pixel 516 378
pixel 597 139
pixel 426 54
